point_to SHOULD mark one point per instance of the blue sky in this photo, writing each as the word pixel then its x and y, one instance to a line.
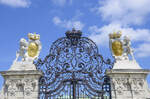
pixel 52 18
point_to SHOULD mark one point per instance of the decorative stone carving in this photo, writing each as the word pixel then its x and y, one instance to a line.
pixel 128 78
pixel 22 79
pixel 22 51
pixel 121 85
pixel 126 84
pixel 122 52
pixel 30 50
pixel 21 84
pixel 120 48
pixel 127 47
pixel 129 84
pixel 137 85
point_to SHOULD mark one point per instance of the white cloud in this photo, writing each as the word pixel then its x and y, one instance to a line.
pixel 100 35
pixel 68 23
pixel 131 12
pixel 16 3
pixel 56 20
pixel 61 2
pixel 143 50
pixel 122 15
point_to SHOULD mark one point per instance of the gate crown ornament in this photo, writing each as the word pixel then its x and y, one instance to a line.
pixel 74 36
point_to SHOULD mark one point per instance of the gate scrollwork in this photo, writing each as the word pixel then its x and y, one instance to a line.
pixel 73 66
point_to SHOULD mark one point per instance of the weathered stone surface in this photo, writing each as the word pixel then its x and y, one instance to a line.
pixel 129 83
pixel 126 64
pixel 20 84
pixel 22 66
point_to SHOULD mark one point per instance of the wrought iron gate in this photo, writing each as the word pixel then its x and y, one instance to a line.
pixel 74 69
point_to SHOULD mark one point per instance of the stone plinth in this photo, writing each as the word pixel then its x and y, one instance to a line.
pixel 126 64
pixel 20 84
pixel 129 83
pixel 22 66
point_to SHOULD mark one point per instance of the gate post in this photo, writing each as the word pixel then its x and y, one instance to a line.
pixel 20 84
pixel 21 81
pixel 128 82
pixel 128 79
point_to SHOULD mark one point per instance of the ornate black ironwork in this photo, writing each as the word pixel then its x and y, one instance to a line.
pixel 73 69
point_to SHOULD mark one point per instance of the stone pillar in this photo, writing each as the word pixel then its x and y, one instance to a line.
pixel 128 79
pixel 21 81
pixel 129 83
pixel 20 84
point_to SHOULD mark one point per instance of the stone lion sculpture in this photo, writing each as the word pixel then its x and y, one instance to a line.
pixel 22 50
pixel 127 47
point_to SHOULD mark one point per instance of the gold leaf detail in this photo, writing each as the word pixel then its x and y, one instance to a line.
pixel 32 49
pixel 117 48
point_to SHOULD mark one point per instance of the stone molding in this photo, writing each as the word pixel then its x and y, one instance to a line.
pixel 15 72
pixel 125 71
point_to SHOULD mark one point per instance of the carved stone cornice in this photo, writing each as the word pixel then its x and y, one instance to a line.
pixel 125 71
pixel 13 73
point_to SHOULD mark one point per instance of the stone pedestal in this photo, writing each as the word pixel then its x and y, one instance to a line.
pixel 20 84
pixel 129 83
pixel 126 64
pixel 22 66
